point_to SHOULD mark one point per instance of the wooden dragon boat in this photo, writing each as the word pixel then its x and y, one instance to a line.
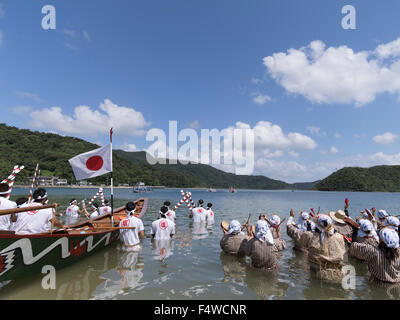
pixel 26 254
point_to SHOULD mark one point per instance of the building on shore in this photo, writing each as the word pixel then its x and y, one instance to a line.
pixel 48 181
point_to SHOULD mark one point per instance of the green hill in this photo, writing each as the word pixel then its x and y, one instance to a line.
pixel 209 176
pixel 378 178
pixel 52 151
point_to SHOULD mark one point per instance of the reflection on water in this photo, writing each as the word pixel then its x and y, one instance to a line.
pixel 192 266
pixel 162 248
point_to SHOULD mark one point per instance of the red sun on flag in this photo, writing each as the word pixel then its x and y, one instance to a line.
pixel 94 163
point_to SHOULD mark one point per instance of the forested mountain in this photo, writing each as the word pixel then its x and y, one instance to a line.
pixel 378 178
pixel 52 151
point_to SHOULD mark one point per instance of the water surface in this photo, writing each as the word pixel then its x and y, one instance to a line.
pixel 192 266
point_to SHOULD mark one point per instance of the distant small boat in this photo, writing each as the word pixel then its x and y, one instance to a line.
pixel 231 189
pixel 141 187
pixel 211 190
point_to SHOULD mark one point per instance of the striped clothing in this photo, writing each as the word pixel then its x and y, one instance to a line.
pixel 230 243
pixel 295 233
pixel 379 267
pixel 326 259
pixel 279 243
pixel 262 254
pixel 368 240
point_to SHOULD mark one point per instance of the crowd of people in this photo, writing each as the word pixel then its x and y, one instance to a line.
pixel 161 229
pixel 328 240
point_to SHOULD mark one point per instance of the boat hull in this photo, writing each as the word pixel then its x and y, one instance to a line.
pixel 24 255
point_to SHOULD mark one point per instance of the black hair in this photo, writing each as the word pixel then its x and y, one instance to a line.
pixel 200 202
pixel 167 203
pixel 39 193
pixel 106 201
pixel 95 205
pixel 20 201
pixel 4 187
pixel 164 209
pixel 130 206
pixel 209 205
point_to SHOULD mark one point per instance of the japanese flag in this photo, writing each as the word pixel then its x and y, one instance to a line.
pixel 92 164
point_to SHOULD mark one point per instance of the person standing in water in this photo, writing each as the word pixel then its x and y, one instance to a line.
pixel 131 236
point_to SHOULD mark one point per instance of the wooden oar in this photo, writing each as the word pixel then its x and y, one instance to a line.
pixel 248 219
pixel 25 209
pixel 113 228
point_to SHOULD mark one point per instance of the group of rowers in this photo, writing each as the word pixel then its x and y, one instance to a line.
pixel 161 229
pixel 327 240
pixel 131 228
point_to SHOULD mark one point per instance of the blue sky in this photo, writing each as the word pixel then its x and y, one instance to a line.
pixel 202 63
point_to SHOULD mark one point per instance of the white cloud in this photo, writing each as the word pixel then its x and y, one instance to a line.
pixel 337 135
pixel 70 46
pixel 316 131
pixel 129 147
pixel 29 95
pixel 337 74
pixel 87 122
pixel 261 99
pixel 21 110
pixel 256 80
pixel 332 150
pixel 385 138
pixel 87 36
pixel 294 154
pixel 69 32
pixel 194 125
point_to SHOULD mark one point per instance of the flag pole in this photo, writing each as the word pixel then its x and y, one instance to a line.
pixel 112 190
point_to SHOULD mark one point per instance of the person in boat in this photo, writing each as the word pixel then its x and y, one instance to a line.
pixel 198 213
pixel 260 248
pixel 275 227
pixel 131 237
pixel 383 261
pixel 105 209
pixel 93 211
pixel 209 214
pixel 367 233
pixel 73 209
pixel 37 221
pixel 170 215
pixel 341 226
pixel 295 231
pixel 5 221
pixel 233 238
pixel 163 228
pixel 326 249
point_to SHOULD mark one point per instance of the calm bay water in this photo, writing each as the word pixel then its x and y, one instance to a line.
pixel 192 266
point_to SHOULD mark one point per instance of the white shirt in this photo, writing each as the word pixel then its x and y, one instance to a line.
pixel 199 214
pixel 170 215
pixel 30 222
pixel 5 220
pixel 210 216
pixel 72 211
pixel 94 214
pixel 131 236
pixel 163 228
pixel 104 210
